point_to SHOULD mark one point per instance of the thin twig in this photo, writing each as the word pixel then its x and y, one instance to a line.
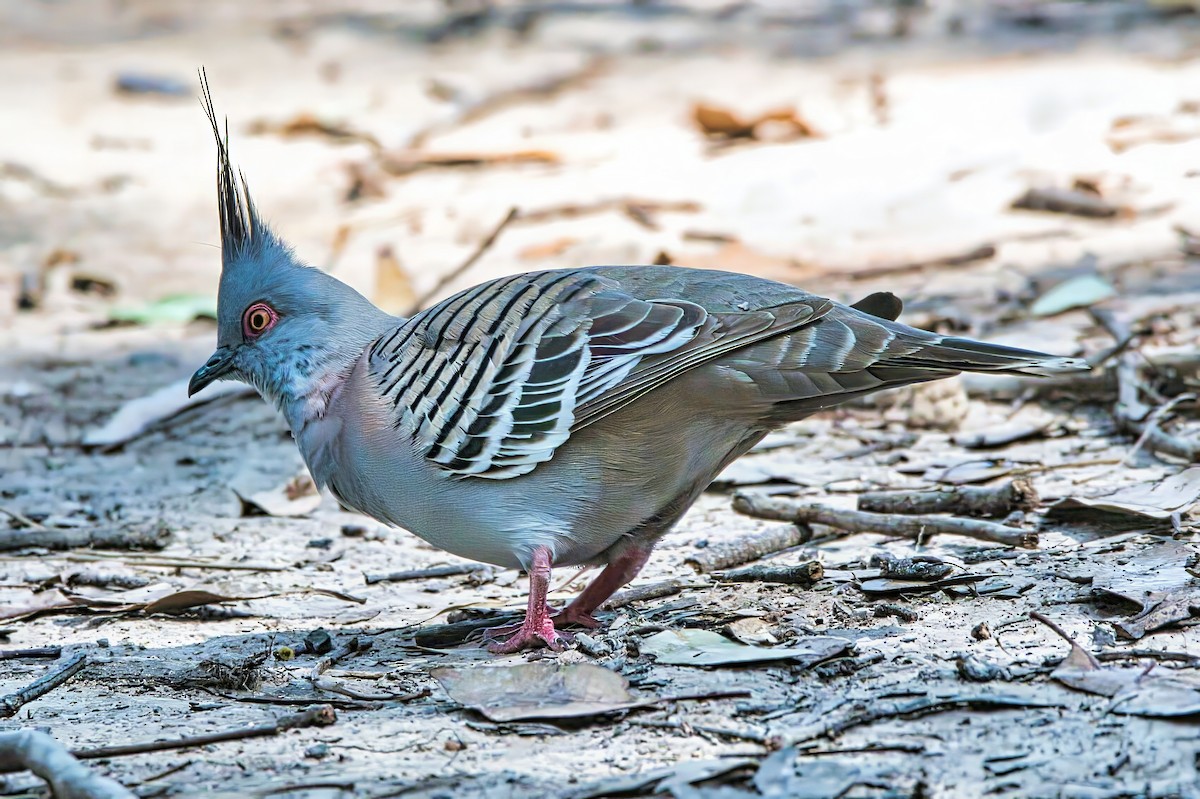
pixel 351 647
pixel 922 707
pixel 68 778
pixel 540 88
pixel 448 570
pixel 720 732
pixel 421 301
pixel 168 562
pixel 10 704
pixel 853 521
pixel 21 518
pixel 315 716
pixel 641 593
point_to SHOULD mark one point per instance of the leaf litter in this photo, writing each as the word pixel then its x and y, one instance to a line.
pixel 895 714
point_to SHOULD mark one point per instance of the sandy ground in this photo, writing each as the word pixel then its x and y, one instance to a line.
pixel 921 144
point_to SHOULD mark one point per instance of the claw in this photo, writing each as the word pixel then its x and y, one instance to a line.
pixel 532 634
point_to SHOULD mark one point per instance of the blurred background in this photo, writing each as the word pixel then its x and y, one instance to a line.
pixel 837 145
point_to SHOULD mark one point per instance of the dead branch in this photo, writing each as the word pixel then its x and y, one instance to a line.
pixel 541 88
pixel 981 253
pixel 723 554
pixel 151 537
pixel 853 521
pixel 458 271
pixel 1133 415
pixel 35 652
pixel 804 574
pixel 68 778
pixel 10 704
pixel 315 716
pixel 448 570
pixel 996 502
pixel 650 591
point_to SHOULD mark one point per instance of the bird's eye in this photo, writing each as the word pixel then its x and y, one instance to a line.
pixel 257 319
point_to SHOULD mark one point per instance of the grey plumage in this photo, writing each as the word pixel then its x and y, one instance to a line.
pixel 553 418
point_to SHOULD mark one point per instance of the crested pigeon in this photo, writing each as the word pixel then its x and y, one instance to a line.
pixel 557 418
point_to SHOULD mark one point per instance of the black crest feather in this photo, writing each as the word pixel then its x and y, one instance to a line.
pixel 240 225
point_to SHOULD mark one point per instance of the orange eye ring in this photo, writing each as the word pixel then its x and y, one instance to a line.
pixel 258 319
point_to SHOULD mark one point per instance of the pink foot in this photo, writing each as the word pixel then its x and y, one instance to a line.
pixel 533 633
pixel 538 628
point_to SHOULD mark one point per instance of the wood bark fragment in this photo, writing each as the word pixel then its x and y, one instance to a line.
pixel 995 501
pixel 34 652
pixel 68 778
pixel 853 521
pixel 723 554
pixel 150 537
pixel 10 704
pixel 804 574
pixel 1075 202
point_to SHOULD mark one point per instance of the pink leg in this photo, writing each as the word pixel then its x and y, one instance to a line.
pixel 617 573
pixel 538 627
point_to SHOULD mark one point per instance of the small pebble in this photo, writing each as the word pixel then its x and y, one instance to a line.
pixel 981 631
pixel 317 751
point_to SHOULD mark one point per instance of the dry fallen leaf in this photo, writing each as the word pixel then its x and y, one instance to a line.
pixel 538 690
pixel 297 497
pixel 1135 690
pixel 695 647
pixel 780 124
pixel 308 124
pixel 1159 499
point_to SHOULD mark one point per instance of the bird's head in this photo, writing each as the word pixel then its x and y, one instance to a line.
pixel 282 326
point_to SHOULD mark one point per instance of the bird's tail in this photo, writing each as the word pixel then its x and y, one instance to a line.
pixel 965 355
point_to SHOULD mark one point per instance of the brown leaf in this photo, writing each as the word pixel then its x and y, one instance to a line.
pixel 394 290
pixel 779 124
pixel 308 124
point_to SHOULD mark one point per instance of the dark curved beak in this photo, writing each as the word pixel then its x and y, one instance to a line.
pixel 218 365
